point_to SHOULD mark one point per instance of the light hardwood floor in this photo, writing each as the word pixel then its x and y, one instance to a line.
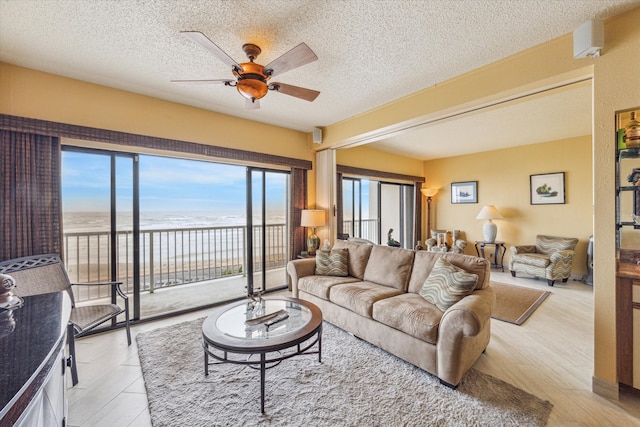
pixel 550 356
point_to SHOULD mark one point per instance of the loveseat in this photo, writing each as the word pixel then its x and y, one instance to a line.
pixel 396 299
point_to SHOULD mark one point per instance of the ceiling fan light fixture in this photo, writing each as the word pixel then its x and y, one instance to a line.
pixel 252 82
pixel 252 88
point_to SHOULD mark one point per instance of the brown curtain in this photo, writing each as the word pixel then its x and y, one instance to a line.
pixel 298 241
pixel 31 208
pixel 339 207
pixel 417 228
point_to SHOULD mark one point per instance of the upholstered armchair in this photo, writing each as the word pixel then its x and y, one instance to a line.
pixel 551 258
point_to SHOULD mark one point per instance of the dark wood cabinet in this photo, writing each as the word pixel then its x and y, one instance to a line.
pixel 628 324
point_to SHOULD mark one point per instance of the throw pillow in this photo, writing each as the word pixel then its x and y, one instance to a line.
pixel 332 263
pixel 447 284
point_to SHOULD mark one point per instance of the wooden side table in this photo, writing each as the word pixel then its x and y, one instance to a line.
pixel 480 244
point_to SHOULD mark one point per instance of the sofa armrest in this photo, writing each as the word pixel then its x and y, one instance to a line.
pixel 469 315
pixel 561 256
pixel 523 249
pixel 300 268
pixel 463 334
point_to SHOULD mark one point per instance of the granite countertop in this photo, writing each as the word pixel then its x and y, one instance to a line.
pixel 40 326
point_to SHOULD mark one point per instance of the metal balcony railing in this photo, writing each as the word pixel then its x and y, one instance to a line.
pixel 368 227
pixel 170 257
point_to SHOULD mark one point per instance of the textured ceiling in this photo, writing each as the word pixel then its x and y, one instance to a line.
pixel 370 52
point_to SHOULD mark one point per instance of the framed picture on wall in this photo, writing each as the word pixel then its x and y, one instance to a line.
pixel 464 192
pixel 547 189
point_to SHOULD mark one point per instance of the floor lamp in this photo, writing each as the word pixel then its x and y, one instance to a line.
pixel 429 193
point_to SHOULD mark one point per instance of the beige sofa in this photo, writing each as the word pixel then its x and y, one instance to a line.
pixel 380 302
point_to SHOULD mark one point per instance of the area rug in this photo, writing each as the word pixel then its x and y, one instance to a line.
pixel 356 384
pixel 514 304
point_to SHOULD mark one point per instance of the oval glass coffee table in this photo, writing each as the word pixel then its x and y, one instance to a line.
pixel 277 329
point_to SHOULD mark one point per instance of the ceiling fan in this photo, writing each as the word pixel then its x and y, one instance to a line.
pixel 252 80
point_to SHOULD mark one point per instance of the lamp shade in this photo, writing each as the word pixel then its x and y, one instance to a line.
pixel 313 218
pixel 489 229
pixel 429 192
pixel 489 212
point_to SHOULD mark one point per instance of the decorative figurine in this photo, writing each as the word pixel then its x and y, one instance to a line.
pixel 391 241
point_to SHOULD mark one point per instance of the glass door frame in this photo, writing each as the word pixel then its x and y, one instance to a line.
pixel 402 201
pixel 113 218
pixel 353 182
pixel 249 215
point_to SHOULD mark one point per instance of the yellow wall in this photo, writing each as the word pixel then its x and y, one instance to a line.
pixel 618 66
pixel 503 181
pixel 34 94
pixel 368 158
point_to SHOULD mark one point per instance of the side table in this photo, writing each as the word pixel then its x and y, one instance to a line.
pixel 480 244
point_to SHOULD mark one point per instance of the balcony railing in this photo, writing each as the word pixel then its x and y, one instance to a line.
pixel 170 257
pixel 367 227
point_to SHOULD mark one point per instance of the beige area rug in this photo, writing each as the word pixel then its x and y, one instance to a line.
pixel 514 304
pixel 356 384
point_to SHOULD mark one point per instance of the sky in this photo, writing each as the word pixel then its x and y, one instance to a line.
pixel 166 184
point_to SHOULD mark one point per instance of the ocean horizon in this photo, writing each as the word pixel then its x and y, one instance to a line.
pixel 79 222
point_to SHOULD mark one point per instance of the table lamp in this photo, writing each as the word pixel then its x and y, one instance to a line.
pixel 312 218
pixel 489 229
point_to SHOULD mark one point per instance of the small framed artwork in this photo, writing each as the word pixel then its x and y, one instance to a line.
pixel 464 192
pixel 547 189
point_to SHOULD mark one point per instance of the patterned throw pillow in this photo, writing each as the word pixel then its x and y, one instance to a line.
pixel 447 284
pixel 332 263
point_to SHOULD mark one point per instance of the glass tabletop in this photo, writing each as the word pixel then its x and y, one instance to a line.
pixel 232 322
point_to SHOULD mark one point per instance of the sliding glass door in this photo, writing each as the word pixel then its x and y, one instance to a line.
pixel 192 234
pixel 397 210
pixel 267 212
pixel 376 210
pixel 99 221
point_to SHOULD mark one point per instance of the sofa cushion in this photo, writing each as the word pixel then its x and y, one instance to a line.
pixel 321 285
pixel 332 263
pixel 359 297
pixel 536 260
pixel 447 284
pixel 411 314
pixel 358 256
pixel 424 262
pixel 389 266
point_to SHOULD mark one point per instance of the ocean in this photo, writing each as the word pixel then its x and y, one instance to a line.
pixel 74 222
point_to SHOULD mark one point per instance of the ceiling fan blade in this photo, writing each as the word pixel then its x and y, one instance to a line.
pixel 252 105
pixel 204 41
pixel 299 92
pixel 202 82
pixel 296 57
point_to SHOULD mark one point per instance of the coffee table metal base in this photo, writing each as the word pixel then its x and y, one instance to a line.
pixel 269 354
